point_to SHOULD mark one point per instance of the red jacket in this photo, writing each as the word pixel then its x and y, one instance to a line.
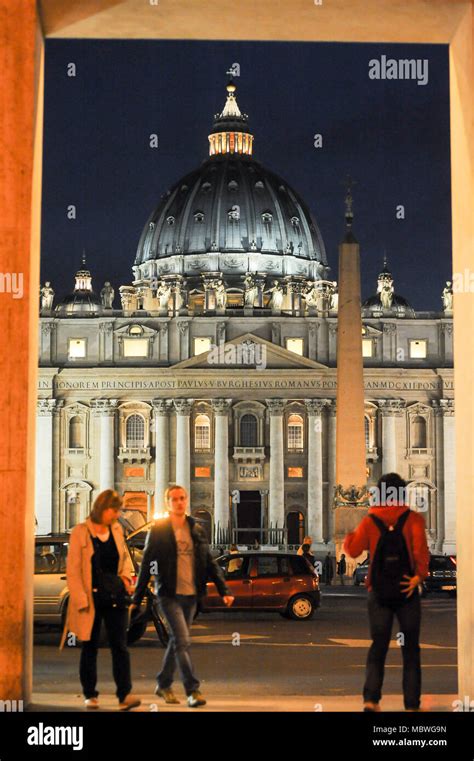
pixel 366 536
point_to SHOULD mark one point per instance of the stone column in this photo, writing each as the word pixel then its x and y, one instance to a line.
pixel 446 340
pixel 44 466
pixel 221 409
pixel 439 464
pixel 388 342
pixel 161 409
pixel 105 411
pixel 449 473
pixel 106 342
pixel 183 443
pixel 390 409
pixel 276 507
pixel 332 343
pixel 183 330
pixel 331 453
pixel 314 409
pixel 56 508
pixel 312 333
pixel 48 336
pixel 163 328
pixel 322 353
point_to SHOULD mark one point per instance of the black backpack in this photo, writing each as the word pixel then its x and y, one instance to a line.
pixel 391 562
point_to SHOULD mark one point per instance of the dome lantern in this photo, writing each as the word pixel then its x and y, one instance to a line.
pixel 230 133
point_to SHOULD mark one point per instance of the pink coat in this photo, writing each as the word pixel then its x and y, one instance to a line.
pixel 80 610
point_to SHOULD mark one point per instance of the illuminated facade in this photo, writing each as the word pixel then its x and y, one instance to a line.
pixel 218 371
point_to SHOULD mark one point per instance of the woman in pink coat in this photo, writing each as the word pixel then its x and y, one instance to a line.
pixel 97 556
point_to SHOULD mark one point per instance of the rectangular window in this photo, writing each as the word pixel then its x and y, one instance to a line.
pixel 202 472
pixel 77 348
pixel 267 565
pixel 367 347
pixel 135 347
pixel 296 345
pixel 418 349
pixel 201 345
pixel 295 472
pixel 50 558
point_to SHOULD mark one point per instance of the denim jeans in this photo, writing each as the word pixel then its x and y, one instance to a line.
pixel 116 622
pixel 381 620
pixel 179 612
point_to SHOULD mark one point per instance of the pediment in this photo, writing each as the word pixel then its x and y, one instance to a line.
pixel 249 351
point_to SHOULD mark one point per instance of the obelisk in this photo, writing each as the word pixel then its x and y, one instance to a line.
pixel 350 501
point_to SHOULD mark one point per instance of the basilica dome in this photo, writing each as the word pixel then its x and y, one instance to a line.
pixel 234 208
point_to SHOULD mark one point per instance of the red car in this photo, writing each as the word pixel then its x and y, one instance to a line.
pixel 273 581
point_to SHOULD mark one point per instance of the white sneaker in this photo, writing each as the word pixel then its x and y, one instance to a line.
pixel 129 701
pixel 91 703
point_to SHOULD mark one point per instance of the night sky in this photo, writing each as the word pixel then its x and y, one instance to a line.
pixel 392 136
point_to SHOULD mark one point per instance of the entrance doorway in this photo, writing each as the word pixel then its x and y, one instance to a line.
pixel 249 516
pixel 295 526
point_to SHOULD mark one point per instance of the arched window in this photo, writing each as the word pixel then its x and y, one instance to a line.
pixel 202 433
pixel 419 432
pixel 248 431
pixel 135 432
pixel 295 432
pixel 367 432
pixel 76 433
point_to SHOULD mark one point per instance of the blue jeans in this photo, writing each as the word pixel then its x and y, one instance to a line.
pixel 179 613
pixel 381 621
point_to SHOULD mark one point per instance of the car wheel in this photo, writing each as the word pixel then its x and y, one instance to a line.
pixel 300 608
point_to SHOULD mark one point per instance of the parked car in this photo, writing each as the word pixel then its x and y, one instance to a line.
pixel 442 575
pixel 268 581
pixel 360 574
pixel 50 590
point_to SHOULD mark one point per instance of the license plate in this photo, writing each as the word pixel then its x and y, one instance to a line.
pixel 448 589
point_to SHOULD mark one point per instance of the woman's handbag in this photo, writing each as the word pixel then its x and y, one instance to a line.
pixel 110 592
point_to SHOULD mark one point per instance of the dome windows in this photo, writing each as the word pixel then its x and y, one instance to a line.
pixel 151 226
pixel 233 185
pixel 206 187
pixel 199 217
pixel 259 185
pixel 295 221
pixel 267 217
pixel 170 220
pixel 183 188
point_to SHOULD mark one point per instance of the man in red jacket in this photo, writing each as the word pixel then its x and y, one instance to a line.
pixel 389 509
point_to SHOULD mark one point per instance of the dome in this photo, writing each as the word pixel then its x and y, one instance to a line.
pixel 79 303
pixel 82 302
pixel 386 302
pixel 230 205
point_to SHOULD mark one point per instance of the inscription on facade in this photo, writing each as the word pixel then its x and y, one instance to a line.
pixel 238 383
